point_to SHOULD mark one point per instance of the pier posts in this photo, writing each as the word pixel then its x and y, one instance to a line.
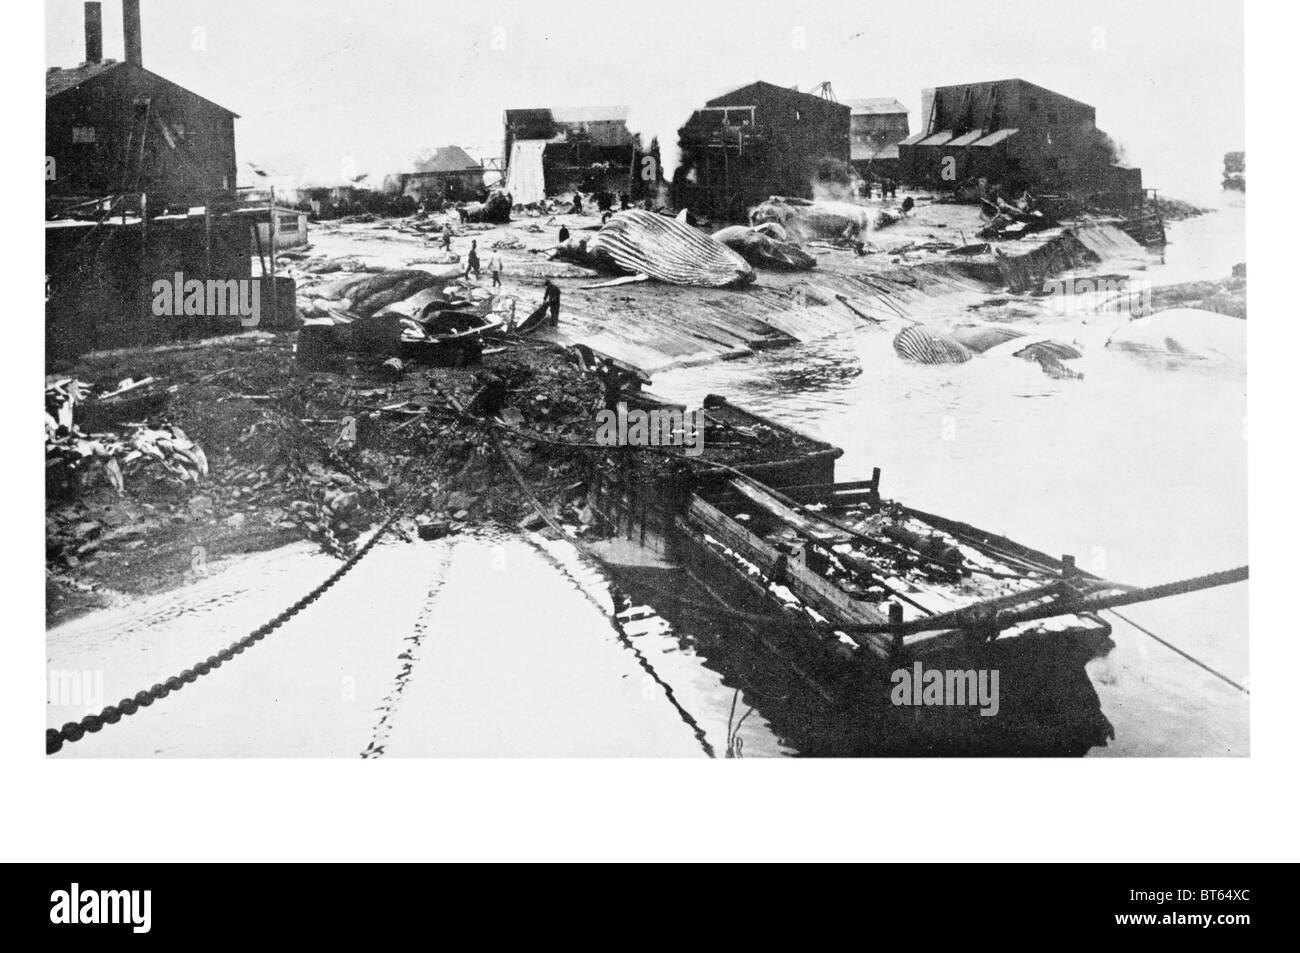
pixel 896 619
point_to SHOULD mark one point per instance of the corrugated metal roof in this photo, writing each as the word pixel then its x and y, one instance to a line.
pixel 1025 82
pixel 993 138
pixel 938 139
pixel 913 140
pixel 968 138
pixel 878 106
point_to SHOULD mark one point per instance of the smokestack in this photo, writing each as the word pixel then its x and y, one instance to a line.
pixel 94 33
pixel 131 31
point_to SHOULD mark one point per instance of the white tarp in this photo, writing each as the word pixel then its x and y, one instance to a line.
pixel 524 178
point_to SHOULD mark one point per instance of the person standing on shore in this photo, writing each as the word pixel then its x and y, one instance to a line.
pixel 494 268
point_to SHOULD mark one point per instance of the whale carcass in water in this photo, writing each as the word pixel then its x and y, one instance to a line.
pixel 642 243
pixel 920 344
pixel 1183 334
pixel 925 346
pixel 999 339
pixel 981 337
pixel 764 250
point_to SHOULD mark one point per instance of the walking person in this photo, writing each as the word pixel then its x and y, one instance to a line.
pixel 472 260
pixel 494 268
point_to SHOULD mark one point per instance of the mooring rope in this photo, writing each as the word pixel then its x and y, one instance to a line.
pixel 978 615
pixel 982 614
pixel 1187 655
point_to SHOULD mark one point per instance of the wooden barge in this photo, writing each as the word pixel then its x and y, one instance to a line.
pixel 843 573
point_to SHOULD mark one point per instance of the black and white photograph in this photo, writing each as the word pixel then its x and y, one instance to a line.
pixel 724 380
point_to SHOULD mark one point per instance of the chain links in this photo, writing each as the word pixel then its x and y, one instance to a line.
pixel 74 731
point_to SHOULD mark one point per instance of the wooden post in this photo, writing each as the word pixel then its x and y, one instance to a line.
pixel 144 270
pixel 257 241
pixel 271 235
pixel 207 236
pixel 896 618
pixel 1067 567
pixel 875 484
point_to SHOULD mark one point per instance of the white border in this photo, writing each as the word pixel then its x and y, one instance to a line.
pixel 1098 809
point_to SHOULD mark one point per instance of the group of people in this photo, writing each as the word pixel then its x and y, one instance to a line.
pixel 472 264
pixel 888 189
pixel 495 266
pixel 548 312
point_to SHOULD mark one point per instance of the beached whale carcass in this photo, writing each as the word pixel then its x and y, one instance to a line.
pixel 764 251
pixel 804 220
pixel 637 242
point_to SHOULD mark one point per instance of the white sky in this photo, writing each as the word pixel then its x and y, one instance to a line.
pixel 376 81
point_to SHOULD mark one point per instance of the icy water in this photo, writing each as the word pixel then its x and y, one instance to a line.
pixel 1139 471
pixel 494 645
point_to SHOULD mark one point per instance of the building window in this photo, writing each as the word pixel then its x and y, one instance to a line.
pixel 1032 106
pixel 84 134
pixel 1051 118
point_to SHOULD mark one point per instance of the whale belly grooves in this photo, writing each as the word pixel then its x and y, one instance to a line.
pixel 920 344
pixel 640 242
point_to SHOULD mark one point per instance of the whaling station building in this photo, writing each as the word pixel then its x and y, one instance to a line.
pixel 450 174
pixel 140 184
pixel 115 127
pixel 1016 135
pixel 587 148
pixel 754 142
pixel 876 127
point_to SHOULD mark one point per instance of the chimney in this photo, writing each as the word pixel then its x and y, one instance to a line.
pixel 94 33
pixel 131 31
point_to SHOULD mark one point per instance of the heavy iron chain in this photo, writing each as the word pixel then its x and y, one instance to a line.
pixel 75 730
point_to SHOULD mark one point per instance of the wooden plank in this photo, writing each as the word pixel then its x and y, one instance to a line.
pixel 791 517
pixel 818 593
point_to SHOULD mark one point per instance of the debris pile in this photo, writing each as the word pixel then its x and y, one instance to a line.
pixel 1007 221
pixel 288 453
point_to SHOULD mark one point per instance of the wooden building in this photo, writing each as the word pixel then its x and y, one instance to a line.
pixel 577 148
pixel 876 127
pixel 449 173
pixel 756 141
pixel 141 186
pixel 115 128
pixel 1015 135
